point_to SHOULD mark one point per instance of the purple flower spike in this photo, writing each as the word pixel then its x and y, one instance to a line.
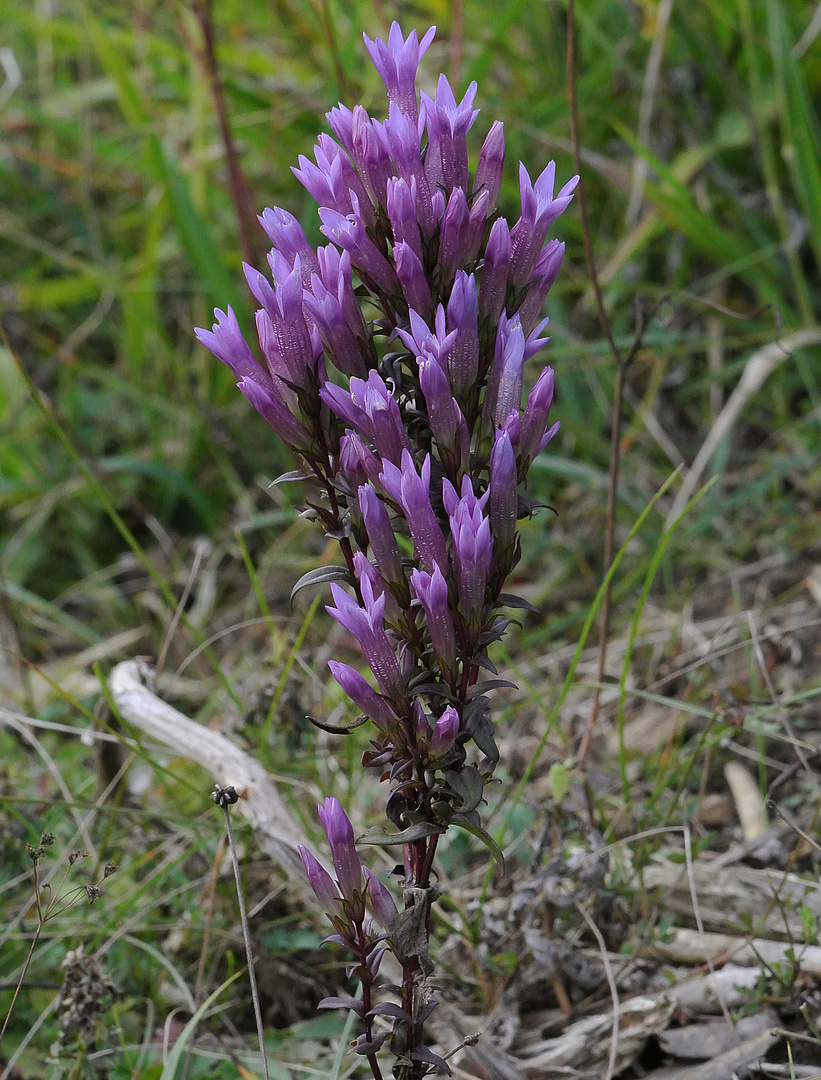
pixel 349 233
pixel 472 544
pixel 411 275
pixel 226 342
pixel 445 732
pixel 378 899
pixel 503 497
pixel 432 593
pixel 287 236
pixel 544 274
pixel 495 271
pixel 446 162
pixel 367 626
pixel 491 162
pixel 320 881
pixel 381 536
pixel 412 492
pixel 362 694
pixel 539 210
pixel 534 420
pixel 397 63
pixel 339 831
pixel 463 320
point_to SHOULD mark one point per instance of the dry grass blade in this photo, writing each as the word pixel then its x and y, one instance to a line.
pixel 758 369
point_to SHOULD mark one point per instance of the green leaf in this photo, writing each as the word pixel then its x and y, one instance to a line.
pixel 463 822
pixel 321 576
pixel 378 838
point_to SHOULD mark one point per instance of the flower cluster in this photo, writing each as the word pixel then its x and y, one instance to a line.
pixel 415 438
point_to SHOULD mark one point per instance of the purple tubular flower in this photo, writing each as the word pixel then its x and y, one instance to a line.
pixel 357 463
pixel 381 536
pixel 534 420
pixel 349 233
pixel 504 385
pixel 539 210
pixel 337 277
pixel 377 898
pixel 402 214
pixel 226 342
pixel 463 321
pixel 287 236
pixel 367 626
pixel 339 831
pixel 371 155
pixel 446 162
pixel 421 342
pixel 472 544
pixel 341 403
pixel 362 694
pixel 432 593
pixel 320 881
pixel 370 407
pixel 544 274
pixel 364 569
pixel 275 413
pixel 445 732
pixel 397 63
pixel 495 271
pixel 412 492
pixel 488 175
pixel 340 344
pixel 332 179
pixel 477 220
pixel 403 142
pixel 341 120
pixel 503 497
pixel 273 357
pixel 446 420
pixel 291 333
pixel 454 234
pixel 385 420
pixel 411 274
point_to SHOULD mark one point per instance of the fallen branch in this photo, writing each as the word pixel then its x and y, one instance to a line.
pixel 130 685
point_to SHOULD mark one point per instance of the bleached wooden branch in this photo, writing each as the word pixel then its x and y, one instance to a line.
pixel 278 834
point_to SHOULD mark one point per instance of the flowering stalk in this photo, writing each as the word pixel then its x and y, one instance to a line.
pixel 420 430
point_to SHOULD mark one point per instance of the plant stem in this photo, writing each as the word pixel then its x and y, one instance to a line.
pixel 246 934
pixel 240 191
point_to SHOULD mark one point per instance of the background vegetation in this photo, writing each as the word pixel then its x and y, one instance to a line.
pixel 134 478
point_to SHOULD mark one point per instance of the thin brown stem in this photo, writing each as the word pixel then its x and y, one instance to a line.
pixel 622 364
pixel 240 191
pixel 456 41
pixel 246 936
pixel 22 978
